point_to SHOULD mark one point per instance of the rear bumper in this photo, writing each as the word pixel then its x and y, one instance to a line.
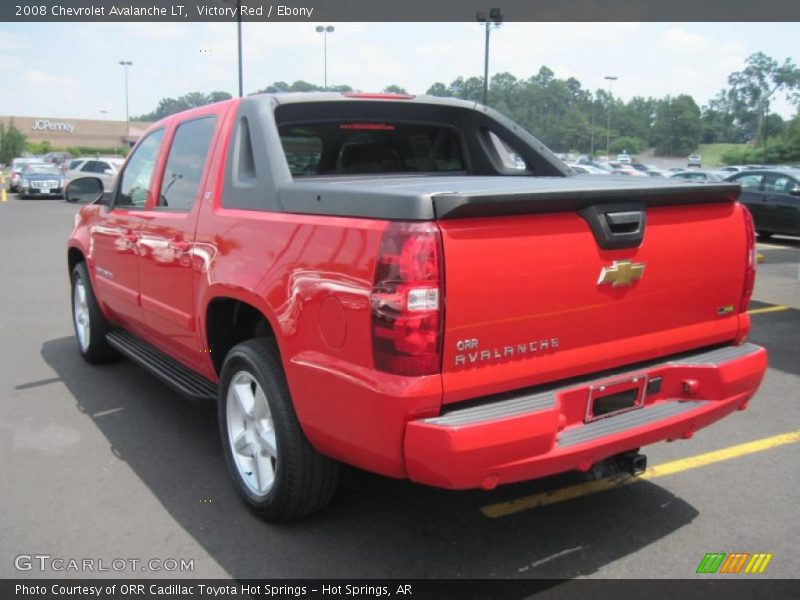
pixel 531 435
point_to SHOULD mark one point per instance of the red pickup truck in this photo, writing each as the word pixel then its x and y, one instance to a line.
pixel 415 286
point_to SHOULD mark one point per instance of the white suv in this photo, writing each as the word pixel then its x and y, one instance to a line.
pixel 105 169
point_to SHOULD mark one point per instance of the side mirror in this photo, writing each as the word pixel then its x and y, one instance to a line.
pixel 108 172
pixel 795 192
pixel 85 190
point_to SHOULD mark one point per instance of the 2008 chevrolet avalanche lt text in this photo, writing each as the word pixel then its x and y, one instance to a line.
pixel 414 286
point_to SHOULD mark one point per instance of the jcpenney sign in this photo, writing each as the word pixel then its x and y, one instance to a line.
pixel 45 125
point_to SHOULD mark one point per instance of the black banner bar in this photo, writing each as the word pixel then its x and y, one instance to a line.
pixel 393 11
pixel 702 588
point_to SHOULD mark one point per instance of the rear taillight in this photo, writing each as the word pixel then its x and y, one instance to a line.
pixel 750 268
pixel 407 300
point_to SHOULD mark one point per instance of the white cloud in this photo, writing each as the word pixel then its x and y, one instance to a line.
pixel 48 80
pixel 681 40
pixel 563 72
pixel 13 42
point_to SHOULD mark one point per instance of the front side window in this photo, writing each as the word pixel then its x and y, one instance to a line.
pixel 184 169
pixel 135 183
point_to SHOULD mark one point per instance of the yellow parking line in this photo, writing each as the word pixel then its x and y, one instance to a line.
pixel 767 309
pixel 760 245
pixel 504 509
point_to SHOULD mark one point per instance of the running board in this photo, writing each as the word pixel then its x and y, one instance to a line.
pixel 195 387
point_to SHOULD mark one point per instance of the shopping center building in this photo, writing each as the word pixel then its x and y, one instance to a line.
pixel 65 132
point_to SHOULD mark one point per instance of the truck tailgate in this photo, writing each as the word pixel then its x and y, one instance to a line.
pixel 533 298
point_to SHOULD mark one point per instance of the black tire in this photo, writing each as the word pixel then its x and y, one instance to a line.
pixel 765 235
pixel 304 481
pixel 21 196
pixel 97 350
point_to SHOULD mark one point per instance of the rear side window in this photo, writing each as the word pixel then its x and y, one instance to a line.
pixel 509 157
pixel 782 184
pixel 184 170
pixel 135 183
pixel 356 147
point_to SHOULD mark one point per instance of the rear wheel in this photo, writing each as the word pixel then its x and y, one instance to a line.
pixel 275 469
pixel 90 324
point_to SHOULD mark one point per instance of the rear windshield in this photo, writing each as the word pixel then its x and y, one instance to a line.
pixel 355 147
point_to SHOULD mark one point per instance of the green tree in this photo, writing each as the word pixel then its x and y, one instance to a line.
pixel 394 89
pixel 304 86
pixel 170 106
pixel 438 89
pixel 12 143
pixel 753 88
pixel 677 129
pixel 624 143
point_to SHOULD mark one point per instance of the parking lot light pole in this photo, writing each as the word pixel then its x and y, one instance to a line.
pixel 495 18
pixel 239 41
pixel 238 4
pixel 125 64
pixel 610 79
pixel 594 100
pixel 325 30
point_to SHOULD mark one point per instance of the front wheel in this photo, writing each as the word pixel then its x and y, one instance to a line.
pixel 90 324
pixel 275 469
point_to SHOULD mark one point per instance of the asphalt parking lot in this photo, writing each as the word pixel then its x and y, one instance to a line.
pixel 108 463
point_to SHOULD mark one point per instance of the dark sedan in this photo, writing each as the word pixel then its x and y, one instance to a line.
pixel 42 180
pixel 773 197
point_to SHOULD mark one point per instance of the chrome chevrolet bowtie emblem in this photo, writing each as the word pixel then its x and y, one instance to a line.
pixel 622 272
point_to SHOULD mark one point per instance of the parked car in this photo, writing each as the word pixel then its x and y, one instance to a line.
pixel 587 169
pixel 641 167
pixel 624 158
pixel 700 176
pixel 41 180
pixel 306 298
pixel 57 158
pixel 695 160
pixel 15 170
pixel 625 169
pixel 773 197
pixel 105 169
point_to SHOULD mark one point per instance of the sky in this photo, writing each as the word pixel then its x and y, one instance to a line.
pixel 71 70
